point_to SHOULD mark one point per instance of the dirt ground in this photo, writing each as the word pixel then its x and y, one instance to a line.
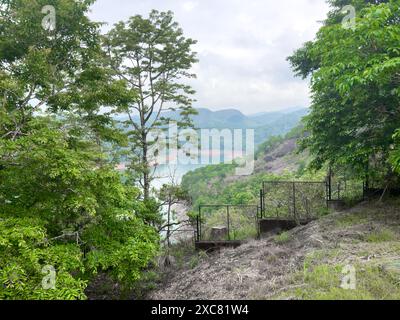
pixel 267 269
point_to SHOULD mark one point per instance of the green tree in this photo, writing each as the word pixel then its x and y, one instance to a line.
pixel 355 88
pixel 152 56
pixel 62 203
pixel 72 204
pixel 170 195
pixel 38 64
pixel 337 13
pixel 395 153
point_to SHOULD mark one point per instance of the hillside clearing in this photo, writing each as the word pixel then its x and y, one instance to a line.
pixel 305 263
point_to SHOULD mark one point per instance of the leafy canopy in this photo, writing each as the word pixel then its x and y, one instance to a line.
pixel 62 203
pixel 355 88
pixel 152 57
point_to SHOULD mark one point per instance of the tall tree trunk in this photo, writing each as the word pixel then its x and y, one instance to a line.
pixel 169 223
pixel 146 168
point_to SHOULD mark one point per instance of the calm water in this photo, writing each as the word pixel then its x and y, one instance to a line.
pixel 167 173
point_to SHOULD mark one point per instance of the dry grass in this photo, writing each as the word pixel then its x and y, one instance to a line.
pixel 306 265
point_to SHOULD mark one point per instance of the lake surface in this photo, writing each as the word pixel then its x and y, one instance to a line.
pixel 167 173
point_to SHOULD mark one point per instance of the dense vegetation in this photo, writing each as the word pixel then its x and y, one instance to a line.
pixel 218 185
pixel 353 126
pixel 59 208
pixel 355 89
pixel 66 213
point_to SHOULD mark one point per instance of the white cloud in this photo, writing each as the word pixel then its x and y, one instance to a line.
pixel 189 5
pixel 242 47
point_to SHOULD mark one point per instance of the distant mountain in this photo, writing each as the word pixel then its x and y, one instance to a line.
pixel 285 111
pixel 265 124
pixel 229 118
pixel 278 124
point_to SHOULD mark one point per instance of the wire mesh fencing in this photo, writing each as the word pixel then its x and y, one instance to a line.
pixel 344 187
pixel 227 222
pixel 293 200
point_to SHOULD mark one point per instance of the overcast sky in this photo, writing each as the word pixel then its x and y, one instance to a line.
pixel 242 47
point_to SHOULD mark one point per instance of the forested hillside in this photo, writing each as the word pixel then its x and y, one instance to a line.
pixel 278 158
pixel 352 130
pixel 77 100
pixel 67 216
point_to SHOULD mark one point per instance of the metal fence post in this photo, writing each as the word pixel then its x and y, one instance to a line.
pixel 229 227
pixel 330 184
pixel 263 209
pixel 294 201
pixel 199 225
pixel 326 191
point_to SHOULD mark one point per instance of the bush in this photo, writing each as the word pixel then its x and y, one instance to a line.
pixel 25 252
pixel 67 208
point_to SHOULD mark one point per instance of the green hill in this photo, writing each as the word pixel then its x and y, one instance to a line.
pixel 276 158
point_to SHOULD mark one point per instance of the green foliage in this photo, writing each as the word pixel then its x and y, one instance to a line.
pixel 79 206
pixel 150 56
pixel 351 220
pixel 126 254
pixel 242 223
pixel 355 87
pixel 182 251
pixel 194 261
pixel 37 65
pixel 209 185
pixel 62 203
pixel 336 15
pixel 394 158
pixel 274 141
pixel 201 183
pixel 268 145
pixel 24 251
pixel 173 193
pixel 146 284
